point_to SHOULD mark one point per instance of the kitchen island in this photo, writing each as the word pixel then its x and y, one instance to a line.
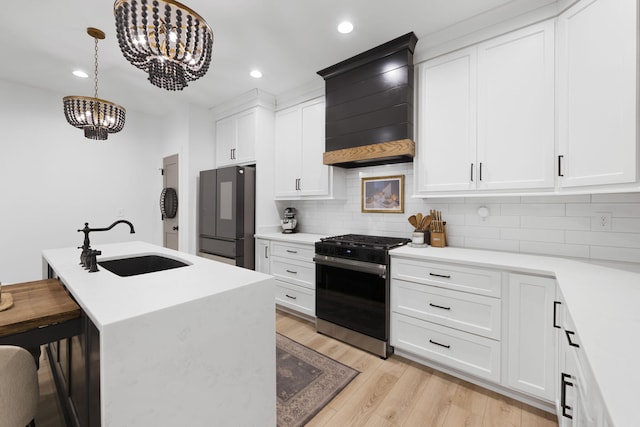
pixel 193 345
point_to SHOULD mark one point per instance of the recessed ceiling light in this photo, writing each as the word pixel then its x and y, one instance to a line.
pixel 81 74
pixel 345 27
pixel 256 74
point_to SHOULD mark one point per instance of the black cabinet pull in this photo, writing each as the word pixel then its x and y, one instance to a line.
pixel 560 157
pixel 292 252
pixel 439 306
pixel 292 272
pixel 480 173
pixel 266 253
pixel 571 343
pixel 289 296
pixel 471 172
pixel 555 314
pixel 563 394
pixel 441 345
pixel 440 275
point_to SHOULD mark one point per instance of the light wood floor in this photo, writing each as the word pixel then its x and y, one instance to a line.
pixel 399 392
pixel 392 392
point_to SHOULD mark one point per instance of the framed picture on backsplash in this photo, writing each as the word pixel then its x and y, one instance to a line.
pixel 383 194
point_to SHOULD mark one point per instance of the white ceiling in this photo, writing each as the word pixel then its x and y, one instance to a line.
pixel 43 41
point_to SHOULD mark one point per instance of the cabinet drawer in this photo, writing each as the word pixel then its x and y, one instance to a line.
pixel 476 314
pixel 465 352
pixel 296 272
pixel 293 251
pixel 475 280
pixel 296 298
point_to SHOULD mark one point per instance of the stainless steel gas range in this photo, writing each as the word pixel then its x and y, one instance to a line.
pixel 352 289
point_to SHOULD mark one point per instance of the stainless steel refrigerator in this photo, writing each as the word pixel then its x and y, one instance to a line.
pixel 227 215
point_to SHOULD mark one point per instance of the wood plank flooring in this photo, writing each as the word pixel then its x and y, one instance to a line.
pixel 392 392
pixel 400 392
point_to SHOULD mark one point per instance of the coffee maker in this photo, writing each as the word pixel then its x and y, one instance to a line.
pixel 289 222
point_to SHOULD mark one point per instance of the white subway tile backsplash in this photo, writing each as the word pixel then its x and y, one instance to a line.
pixel 616 198
pixel 616 209
pixel 579 198
pixel 603 238
pixel 615 254
pixel 532 234
pixel 537 209
pixel 492 244
pixel 556 222
pixel 469 231
pixel 631 225
pixel 551 225
pixel 492 221
pixel 558 249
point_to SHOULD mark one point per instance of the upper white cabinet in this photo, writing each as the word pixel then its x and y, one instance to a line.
pixel 597 90
pixel 515 110
pixel 299 144
pixel 236 138
pixel 447 123
pixel 486 115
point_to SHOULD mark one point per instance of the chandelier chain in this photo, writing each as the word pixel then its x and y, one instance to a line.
pixel 95 68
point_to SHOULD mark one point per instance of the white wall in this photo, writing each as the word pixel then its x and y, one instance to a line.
pixel 550 225
pixel 52 180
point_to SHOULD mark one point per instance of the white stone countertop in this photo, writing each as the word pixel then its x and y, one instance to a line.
pixel 604 303
pixel 306 238
pixel 198 339
pixel 108 298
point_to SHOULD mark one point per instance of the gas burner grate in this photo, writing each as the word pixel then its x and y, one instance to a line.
pixel 365 240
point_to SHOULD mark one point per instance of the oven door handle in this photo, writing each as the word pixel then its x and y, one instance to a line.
pixel 349 264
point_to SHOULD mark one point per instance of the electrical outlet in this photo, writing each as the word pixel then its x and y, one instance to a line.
pixel 601 221
pixel 120 213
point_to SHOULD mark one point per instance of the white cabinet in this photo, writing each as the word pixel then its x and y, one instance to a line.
pixel 237 136
pixel 294 270
pixel 448 314
pixel 299 145
pixel 447 123
pixel 515 110
pixel 262 256
pixel 579 400
pixel 531 365
pixel 597 90
pixel 486 115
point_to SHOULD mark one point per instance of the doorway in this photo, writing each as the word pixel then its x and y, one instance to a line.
pixel 170 179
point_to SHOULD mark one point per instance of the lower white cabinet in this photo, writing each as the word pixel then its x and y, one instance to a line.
pixel 262 256
pixel 579 400
pixel 530 336
pixel 466 352
pixel 494 326
pixel 294 270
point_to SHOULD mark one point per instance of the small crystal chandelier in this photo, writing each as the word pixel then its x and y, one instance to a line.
pixel 164 38
pixel 96 116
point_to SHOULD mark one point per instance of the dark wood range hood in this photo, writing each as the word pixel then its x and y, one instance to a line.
pixel 369 106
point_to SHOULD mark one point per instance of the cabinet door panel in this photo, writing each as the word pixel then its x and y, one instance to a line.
pixel 597 89
pixel 225 140
pixel 287 151
pixel 447 121
pixel 246 139
pixel 314 175
pixel 531 336
pixel 516 109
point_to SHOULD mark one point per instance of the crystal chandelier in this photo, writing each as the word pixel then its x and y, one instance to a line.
pixel 96 116
pixel 164 38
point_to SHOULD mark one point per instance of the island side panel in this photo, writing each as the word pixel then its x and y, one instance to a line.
pixel 206 362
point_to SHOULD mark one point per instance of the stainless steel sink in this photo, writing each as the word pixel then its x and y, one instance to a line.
pixel 143 264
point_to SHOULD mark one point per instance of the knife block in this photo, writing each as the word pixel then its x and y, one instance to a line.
pixel 439 240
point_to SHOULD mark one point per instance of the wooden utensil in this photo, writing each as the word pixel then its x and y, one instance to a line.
pixel 418 220
pixel 413 221
pixel 425 223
